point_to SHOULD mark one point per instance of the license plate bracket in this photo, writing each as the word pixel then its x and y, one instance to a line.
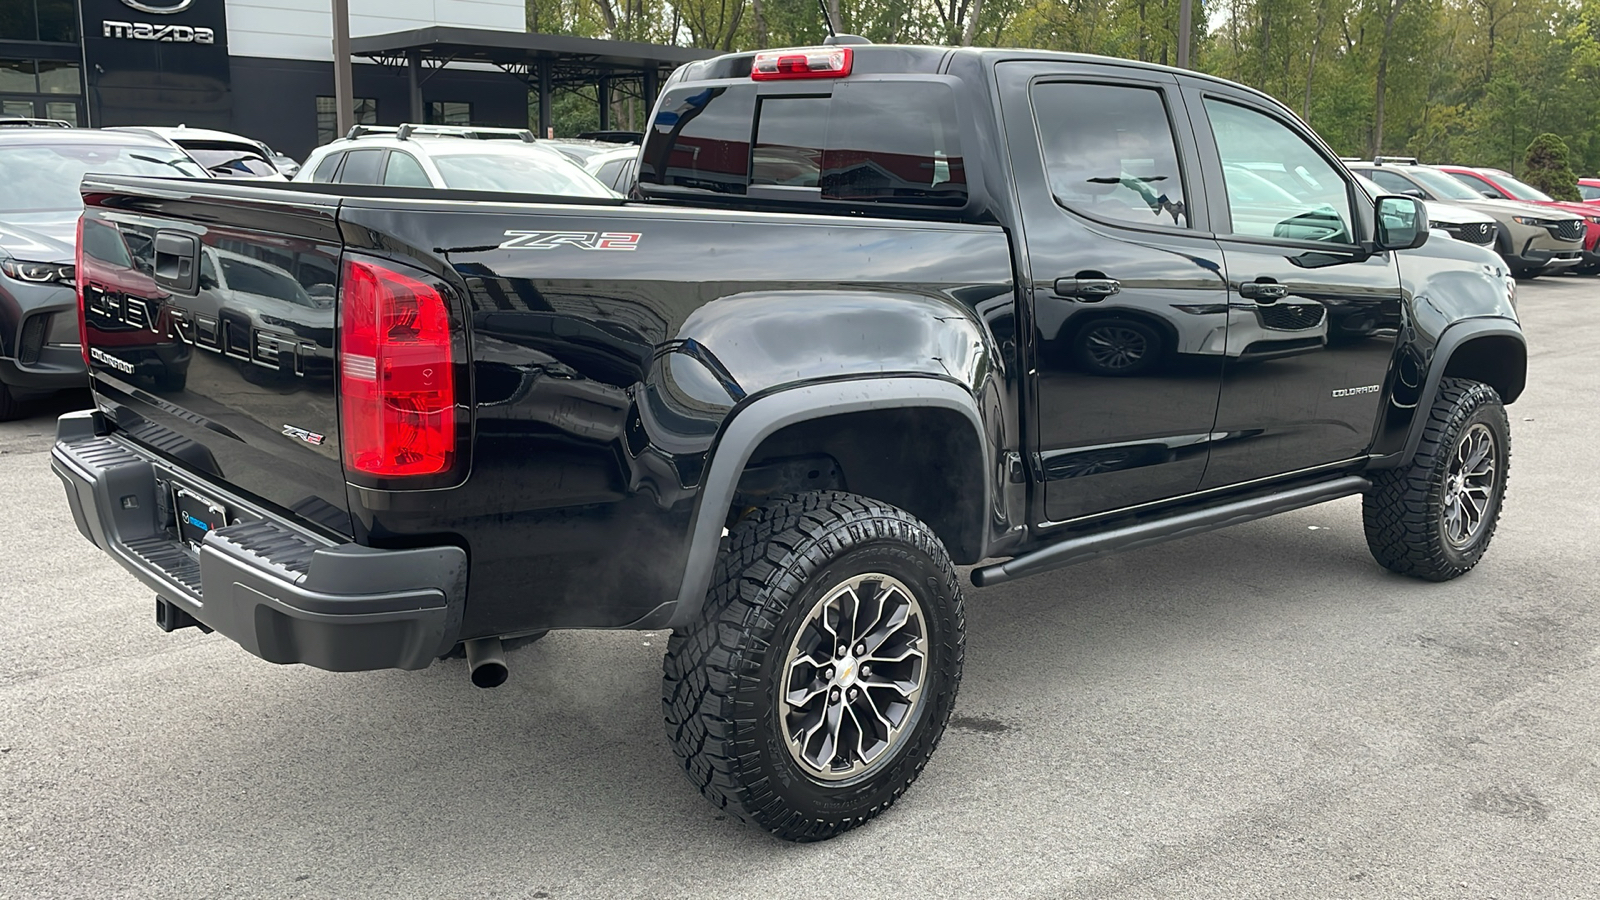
pixel 197 515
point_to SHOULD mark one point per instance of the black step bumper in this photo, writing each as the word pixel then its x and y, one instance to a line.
pixel 283 593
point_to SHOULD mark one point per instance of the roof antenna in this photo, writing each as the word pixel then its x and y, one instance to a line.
pixel 826 19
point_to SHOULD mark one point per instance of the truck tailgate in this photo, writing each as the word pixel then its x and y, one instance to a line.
pixel 210 334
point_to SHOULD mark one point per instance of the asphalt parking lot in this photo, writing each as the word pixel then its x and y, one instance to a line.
pixel 1257 712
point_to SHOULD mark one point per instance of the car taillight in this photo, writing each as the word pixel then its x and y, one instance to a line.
pixel 79 274
pixel 811 62
pixel 396 385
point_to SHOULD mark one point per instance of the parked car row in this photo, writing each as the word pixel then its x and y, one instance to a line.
pixel 1534 233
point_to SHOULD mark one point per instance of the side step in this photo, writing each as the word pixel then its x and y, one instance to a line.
pixel 1087 547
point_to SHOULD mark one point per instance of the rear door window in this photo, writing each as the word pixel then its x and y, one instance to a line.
pixel 1109 152
pixel 405 171
pixel 1389 181
pixel 362 167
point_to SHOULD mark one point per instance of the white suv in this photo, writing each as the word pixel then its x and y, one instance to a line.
pixel 450 158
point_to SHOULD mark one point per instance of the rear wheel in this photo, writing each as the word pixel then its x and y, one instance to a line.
pixel 1434 518
pixel 824 666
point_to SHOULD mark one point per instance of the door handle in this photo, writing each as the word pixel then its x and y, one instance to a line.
pixel 1089 290
pixel 1263 291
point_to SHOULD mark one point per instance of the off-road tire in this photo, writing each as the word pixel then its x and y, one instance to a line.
pixel 1403 512
pixel 721 676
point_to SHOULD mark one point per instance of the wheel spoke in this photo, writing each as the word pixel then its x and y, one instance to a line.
pixel 802 697
pixel 885 630
pixel 872 704
pixel 910 651
pixel 903 688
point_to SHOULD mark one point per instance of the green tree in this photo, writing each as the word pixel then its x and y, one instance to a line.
pixel 1546 167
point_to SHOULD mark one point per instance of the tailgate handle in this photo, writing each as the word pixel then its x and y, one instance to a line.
pixel 177 261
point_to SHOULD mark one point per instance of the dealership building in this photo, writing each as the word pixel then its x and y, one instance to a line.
pixel 264 68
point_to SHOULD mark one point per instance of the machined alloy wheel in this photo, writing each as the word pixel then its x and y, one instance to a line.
pixel 819 677
pixel 1469 486
pixel 853 677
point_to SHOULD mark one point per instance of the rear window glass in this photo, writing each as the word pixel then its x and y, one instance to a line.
pixel 326 168
pixel 869 141
pixel 701 139
pixel 789 136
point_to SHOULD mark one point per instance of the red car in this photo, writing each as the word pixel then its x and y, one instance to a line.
pixel 1589 189
pixel 1498 184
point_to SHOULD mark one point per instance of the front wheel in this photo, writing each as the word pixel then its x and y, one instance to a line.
pixel 819 678
pixel 1434 518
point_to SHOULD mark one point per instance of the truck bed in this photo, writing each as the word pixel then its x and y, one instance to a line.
pixel 602 349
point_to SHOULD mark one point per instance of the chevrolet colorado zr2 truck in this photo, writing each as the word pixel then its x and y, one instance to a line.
pixel 872 312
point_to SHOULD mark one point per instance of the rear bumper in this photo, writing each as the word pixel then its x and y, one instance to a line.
pixel 283 593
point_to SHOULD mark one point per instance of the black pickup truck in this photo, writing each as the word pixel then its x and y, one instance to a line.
pixel 872 312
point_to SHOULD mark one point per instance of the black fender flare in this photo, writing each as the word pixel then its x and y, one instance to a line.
pixel 764 416
pixel 1453 338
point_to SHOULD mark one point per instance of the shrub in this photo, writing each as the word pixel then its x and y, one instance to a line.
pixel 1546 167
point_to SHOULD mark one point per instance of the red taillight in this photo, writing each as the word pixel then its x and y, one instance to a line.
pixel 396 386
pixel 79 273
pixel 811 62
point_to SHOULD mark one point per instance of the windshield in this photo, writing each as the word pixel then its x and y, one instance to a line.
pixel 1522 189
pixel 1441 185
pixel 519 173
pixel 44 178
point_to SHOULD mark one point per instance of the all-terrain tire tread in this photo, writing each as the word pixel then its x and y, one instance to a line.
pixel 769 556
pixel 1400 513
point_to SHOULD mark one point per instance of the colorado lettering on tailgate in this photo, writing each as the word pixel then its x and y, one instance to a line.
pixel 583 240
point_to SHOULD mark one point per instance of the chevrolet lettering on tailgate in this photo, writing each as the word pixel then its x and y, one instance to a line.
pixel 264 348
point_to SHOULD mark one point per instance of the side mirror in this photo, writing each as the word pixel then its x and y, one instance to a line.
pixel 1402 223
pixel 1415 192
pixel 1493 195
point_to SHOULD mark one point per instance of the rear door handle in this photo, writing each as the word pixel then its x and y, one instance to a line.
pixel 1263 291
pixel 1089 290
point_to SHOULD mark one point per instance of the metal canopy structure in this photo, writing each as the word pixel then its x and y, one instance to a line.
pixel 544 61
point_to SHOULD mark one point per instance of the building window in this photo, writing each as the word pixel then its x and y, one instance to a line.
pixel 39 20
pixel 59 77
pixel 16 77
pixel 44 76
pixel 62 110
pixel 449 112
pixel 328 119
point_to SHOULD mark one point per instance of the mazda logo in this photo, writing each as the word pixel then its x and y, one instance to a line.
pixel 159 7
